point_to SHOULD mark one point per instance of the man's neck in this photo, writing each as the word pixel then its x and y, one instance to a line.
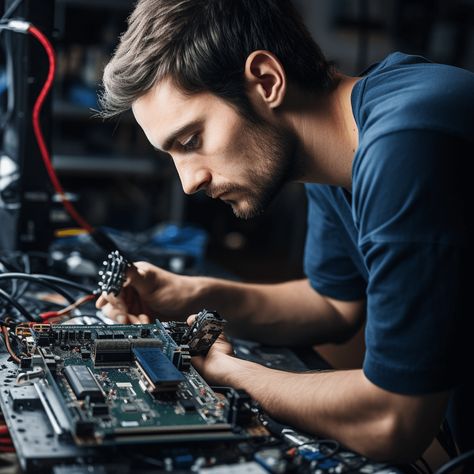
pixel 327 134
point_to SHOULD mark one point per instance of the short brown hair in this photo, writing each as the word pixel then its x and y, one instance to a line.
pixel 202 45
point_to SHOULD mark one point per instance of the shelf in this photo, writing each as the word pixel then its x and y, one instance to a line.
pixel 65 109
pixel 111 4
pixel 109 165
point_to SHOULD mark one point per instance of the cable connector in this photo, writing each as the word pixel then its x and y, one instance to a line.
pixel 19 26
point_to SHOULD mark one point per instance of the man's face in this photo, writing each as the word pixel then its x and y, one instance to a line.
pixel 215 148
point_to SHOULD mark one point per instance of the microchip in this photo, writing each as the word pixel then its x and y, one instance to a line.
pixel 83 383
pixel 188 405
pixel 129 408
pixel 99 409
pixel 159 371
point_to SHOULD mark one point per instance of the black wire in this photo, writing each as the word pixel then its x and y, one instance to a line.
pixel 428 469
pixel 9 266
pixel 15 304
pixel 26 269
pixel 456 462
pixel 65 282
pixel 10 10
pixel 417 469
pixel 18 290
pixel 38 279
pixel 446 440
pixel 149 460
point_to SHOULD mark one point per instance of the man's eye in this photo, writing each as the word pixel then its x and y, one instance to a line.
pixel 192 144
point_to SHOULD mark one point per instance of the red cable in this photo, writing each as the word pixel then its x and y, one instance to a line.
pixel 39 134
pixel 7 449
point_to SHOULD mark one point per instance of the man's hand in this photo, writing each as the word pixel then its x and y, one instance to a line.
pixel 218 362
pixel 148 292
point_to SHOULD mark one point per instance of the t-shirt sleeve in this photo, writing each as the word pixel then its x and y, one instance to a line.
pixel 327 263
pixel 412 207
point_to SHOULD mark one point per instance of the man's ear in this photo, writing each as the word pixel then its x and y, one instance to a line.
pixel 266 78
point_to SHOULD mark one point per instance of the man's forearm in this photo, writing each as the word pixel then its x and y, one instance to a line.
pixel 343 405
pixel 286 313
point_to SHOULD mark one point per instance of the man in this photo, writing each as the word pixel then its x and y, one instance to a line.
pixel 243 100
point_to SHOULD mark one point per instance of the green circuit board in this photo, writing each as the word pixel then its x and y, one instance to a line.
pixel 126 384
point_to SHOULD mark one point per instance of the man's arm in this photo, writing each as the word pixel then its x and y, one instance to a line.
pixel 287 313
pixel 343 405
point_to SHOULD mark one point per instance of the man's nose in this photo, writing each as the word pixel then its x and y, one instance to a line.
pixel 194 180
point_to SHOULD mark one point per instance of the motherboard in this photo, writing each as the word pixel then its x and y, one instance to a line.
pixel 77 388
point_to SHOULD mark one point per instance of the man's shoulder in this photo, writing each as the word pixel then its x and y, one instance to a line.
pixel 410 93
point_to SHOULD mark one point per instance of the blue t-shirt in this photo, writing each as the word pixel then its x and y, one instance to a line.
pixel 402 237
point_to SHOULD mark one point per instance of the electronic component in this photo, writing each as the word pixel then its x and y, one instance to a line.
pixel 111 351
pixel 25 397
pixel 204 331
pixel 250 467
pixel 112 274
pixel 160 374
pixel 119 351
pixel 83 382
pixel 135 393
pixel 181 358
pixel 30 375
pixel 188 405
pixel 272 460
pixel 99 409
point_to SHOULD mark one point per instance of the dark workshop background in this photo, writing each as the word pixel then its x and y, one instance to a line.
pixel 119 181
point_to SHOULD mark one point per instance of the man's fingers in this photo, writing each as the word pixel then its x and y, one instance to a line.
pixel 121 318
pixel 140 319
pixel 133 319
pixel 191 319
pixel 144 319
pixel 101 301
pixel 114 309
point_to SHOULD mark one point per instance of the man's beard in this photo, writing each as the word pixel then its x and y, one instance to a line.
pixel 269 157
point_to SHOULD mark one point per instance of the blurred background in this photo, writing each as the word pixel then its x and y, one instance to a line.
pixel 118 181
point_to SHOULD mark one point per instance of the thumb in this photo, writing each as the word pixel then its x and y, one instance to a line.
pixel 190 320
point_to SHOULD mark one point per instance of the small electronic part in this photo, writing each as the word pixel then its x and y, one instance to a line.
pixel 99 409
pixel 240 406
pixel 250 467
pixel 177 329
pixel 85 354
pixel 25 397
pixel 188 405
pixel 159 372
pixel 272 460
pixel 30 376
pixel 83 383
pixel 119 350
pixel 204 331
pixel 25 363
pixel 111 351
pixel 181 358
pixel 112 274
